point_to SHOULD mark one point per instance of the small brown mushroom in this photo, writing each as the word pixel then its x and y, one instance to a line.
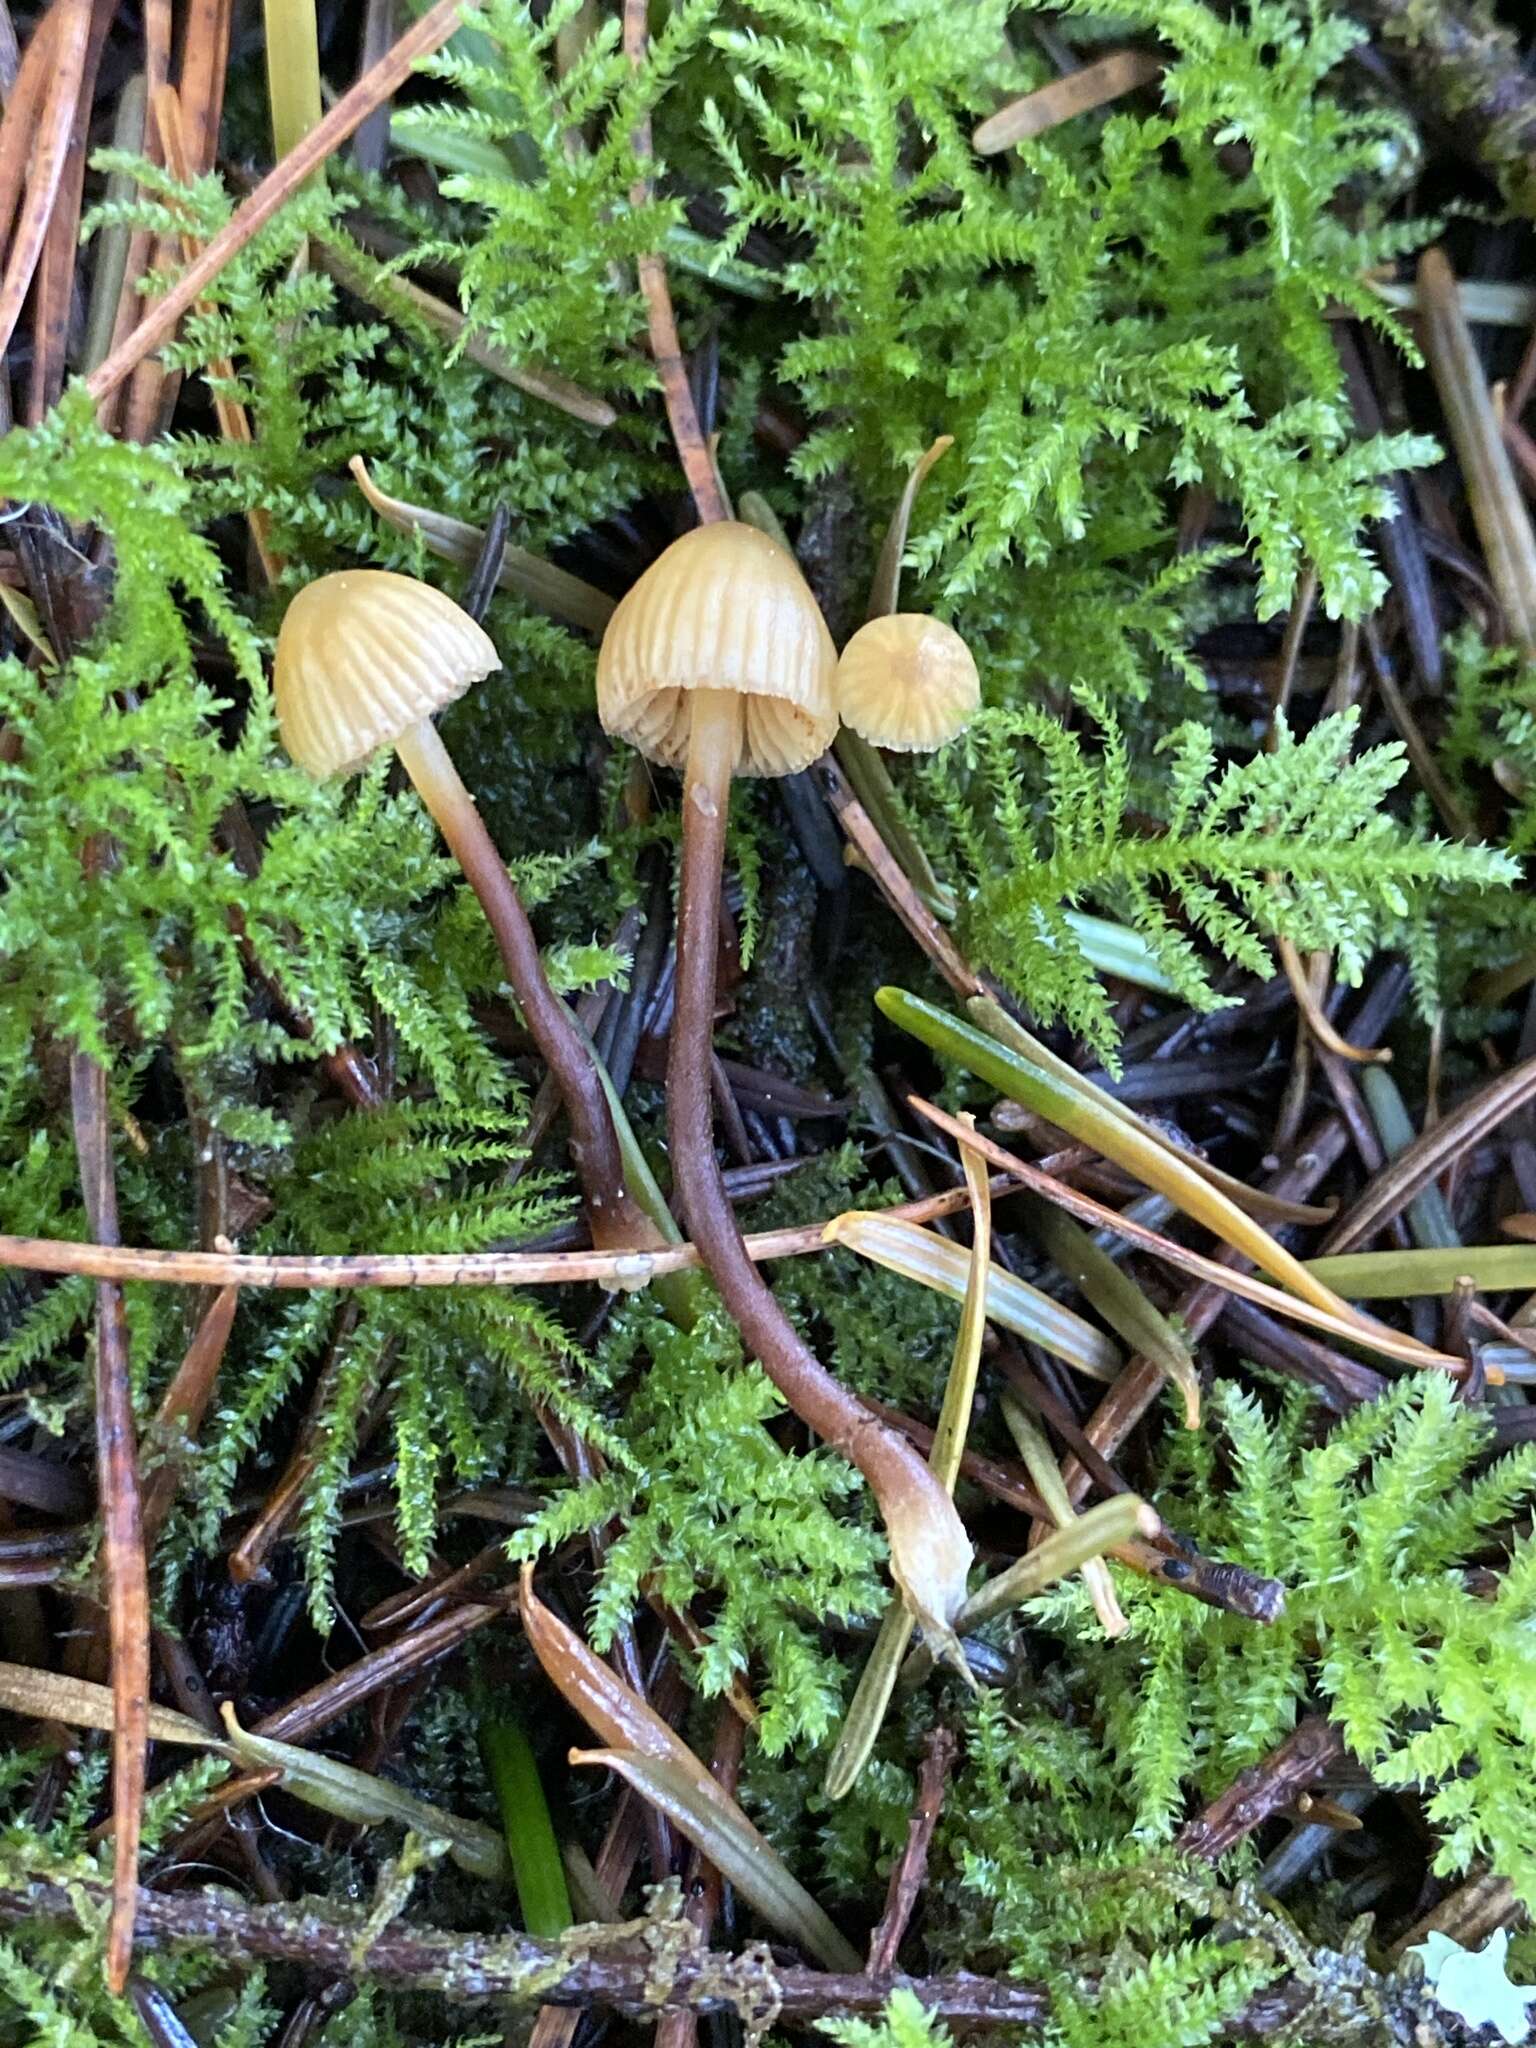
pixel 364 659
pixel 907 682
pixel 718 662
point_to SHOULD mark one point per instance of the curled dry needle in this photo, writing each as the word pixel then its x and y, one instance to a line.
pixel 938 1262
pixel 364 658
pixel 1347 1323
pixel 1126 1145
pixel 877 1681
pixel 552 590
pixel 647 1754
pixel 719 663
pixel 319 1781
pixel 1040 1462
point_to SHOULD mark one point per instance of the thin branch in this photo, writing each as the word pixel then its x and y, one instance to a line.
pixel 1256 1795
pixel 117 1475
pixel 666 349
pixel 421 1269
pixel 910 1872
pixel 615 1969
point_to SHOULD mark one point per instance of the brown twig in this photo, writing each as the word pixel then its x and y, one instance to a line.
pixel 910 1872
pixel 1498 510
pixel 353 108
pixel 704 1891
pixel 894 883
pixel 423 1269
pixel 54 283
pixel 623 1976
pixel 234 421
pixel 666 350
pixel 123 1566
pixel 1256 1795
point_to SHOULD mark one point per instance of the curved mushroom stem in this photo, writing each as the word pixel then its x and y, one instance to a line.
pixel 617 1221
pixel 930 1552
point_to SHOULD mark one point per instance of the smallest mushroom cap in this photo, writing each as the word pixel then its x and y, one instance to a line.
pixel 907 682
pixel 364 655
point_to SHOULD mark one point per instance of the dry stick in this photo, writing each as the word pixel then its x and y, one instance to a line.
pixel 1498 510
pixel 1453 812
pixel 136 411
pixel 48 153
pixel 353 108
pixel 910 1872
pixel 1264 1790
pixel 630 1269
pixel 666 350
pixel 621 1976
pixel 704 1890
pixel 204 67
pixel 426 1269
pixel 22 107
pixel 127 1579
pixel 1314 1015
pixel 894 884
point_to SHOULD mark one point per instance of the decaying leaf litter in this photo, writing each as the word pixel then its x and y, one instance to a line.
pixel 979 1282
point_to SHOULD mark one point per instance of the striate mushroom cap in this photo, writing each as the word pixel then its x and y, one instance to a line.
pixel 364 655
pixel 725 608
pixel 907 682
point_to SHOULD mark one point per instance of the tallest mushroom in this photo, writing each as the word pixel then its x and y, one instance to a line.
pixel 718 663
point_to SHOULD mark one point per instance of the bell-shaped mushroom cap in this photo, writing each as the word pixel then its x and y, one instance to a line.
pixel 725 608
pixel 362 656
pixel 907 682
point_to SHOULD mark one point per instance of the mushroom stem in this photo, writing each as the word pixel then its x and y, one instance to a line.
pixel 930 1552
pixel 617 1222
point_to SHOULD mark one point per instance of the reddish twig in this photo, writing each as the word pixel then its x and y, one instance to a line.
pixel 666 349
pixel 704 1892
pixel 911 1869
pixel 123 1566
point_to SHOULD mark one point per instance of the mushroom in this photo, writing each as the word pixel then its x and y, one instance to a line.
pixel 364 658
pixel 718 663
pixel 907 682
